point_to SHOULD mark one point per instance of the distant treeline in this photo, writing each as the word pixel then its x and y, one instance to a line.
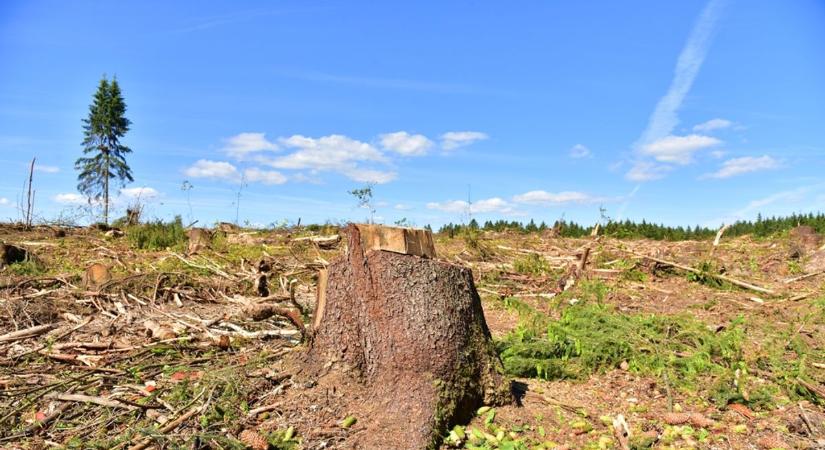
pixel 761 227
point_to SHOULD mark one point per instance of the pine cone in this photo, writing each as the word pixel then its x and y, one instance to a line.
pixel 254 440
pixel 676 418
pixel 742 409
pixel 700 421
pixel 772 441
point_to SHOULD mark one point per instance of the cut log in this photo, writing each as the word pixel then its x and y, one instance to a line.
pixel 96 275
pixel 10 254
pixel 802 241
pixel 408 241
pixel 325 242
pixel 199 238
pixel 409 336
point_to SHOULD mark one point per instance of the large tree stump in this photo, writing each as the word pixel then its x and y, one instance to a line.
pixel 410 331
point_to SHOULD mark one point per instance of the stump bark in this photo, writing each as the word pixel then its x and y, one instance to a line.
pixel 409 330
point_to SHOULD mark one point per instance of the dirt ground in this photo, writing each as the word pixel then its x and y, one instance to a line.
pixel 178 350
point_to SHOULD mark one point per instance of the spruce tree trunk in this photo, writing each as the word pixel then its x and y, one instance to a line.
pixel 410 333
pixel 106 188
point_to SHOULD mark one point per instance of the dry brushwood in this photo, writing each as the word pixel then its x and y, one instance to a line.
pixel 728 279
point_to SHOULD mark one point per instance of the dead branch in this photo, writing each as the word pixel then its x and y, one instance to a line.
pixel 719 234
pixel 819 392
pixel 26 333
pixel 80 398
pixel 214 270
pixel 730 280
pixel 803 277
pixel 622 432
pixel 57 338
pixel 168 427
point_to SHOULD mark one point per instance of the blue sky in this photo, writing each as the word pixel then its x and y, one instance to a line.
pixel 689 112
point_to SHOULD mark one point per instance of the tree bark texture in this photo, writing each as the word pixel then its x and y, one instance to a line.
pixel 411 330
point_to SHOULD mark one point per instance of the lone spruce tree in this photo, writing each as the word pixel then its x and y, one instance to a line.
pixel 105 156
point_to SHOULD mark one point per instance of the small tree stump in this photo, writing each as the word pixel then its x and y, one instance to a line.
pixel 410 332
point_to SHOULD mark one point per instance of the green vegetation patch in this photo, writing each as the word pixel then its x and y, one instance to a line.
pixel 532 264
pixel 591 337
pixel 157 235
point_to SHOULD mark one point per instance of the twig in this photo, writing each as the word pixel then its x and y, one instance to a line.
pixel 262 409
pixel 808 424
pixel 26 333
pixel 803 277
pixel 80 398
pixel 168 427
pixel 815 390
pixel 59 337
pixel 199 266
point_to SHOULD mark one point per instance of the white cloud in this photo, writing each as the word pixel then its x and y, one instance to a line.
pixel 455 139
pixel 647 171
pixel 4 201
pixel 143 193
pixel 368 175
pixel 402 207
pixel 555 198
pixel 244 144
pixel 712 124
pixel 406 144
pixel 325 153
pixel 580 151
pixel 255 174
pixel 216 170
pixel 746 164
pixel 336 153
pixel 798 199
pixel 678 149
pixel 489 205
pixel 664 118
pixel 70 198
pixel 46 169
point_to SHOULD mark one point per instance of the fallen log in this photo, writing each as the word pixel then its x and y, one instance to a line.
pixel 408 333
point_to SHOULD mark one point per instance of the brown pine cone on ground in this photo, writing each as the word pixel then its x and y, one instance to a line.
pixel 253 440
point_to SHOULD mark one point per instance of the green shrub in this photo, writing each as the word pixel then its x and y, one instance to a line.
pixel 531 264
pixel 157 235
pixel 27 268
pixel 708 276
